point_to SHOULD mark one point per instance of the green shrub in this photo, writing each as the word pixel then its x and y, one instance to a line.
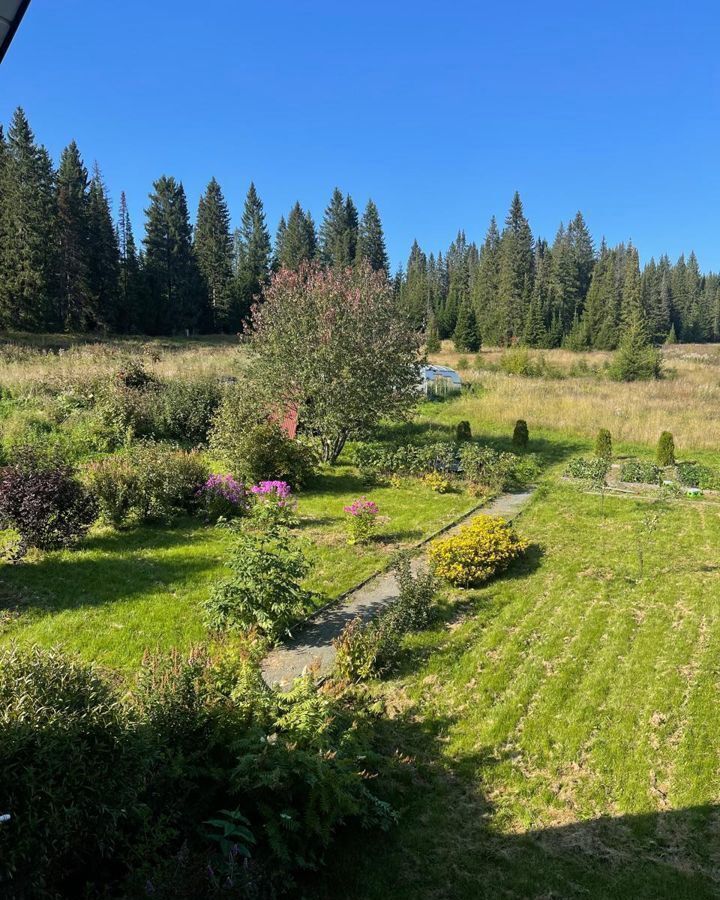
pixel 665 453
pixel 521 435
pixel 603 444
pixel 114 792
pixel 71 767
pixel 43 501
pixel 518 361
pixel 640 472
pixel 147 483
pixel 365 650
pixel 187 408
pixel 264 590
pixel 480 550
pixel 463 432
pixel 698 476
pixel 594 469
pixel 486 467
pixel 636 359
pixel 264 452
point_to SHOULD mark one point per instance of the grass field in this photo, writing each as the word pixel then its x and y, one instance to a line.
pixel 558 730
pixel 123 592
pixel 561 726
pixel 685 402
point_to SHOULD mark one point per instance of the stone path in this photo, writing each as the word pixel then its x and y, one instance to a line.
pixel 312 644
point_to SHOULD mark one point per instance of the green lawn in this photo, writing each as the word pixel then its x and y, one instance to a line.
pixel 122 592
pixel 562 725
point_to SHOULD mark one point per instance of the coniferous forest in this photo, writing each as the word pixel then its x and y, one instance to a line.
pixel 68 264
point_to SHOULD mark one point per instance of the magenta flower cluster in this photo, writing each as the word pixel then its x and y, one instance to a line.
pixel 362 507
pixel 224 487
pixel 274 491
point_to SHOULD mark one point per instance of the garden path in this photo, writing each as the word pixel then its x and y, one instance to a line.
pixel 312 645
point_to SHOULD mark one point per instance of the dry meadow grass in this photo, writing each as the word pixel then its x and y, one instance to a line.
pixel 686 402
pixel 31 365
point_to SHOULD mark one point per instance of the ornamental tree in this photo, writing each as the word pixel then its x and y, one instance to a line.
pixel 331 346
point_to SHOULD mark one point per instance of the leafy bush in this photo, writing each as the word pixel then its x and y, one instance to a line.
pixel 486 467
pixel 44 502
pixel 364 650
pixel 588 469
pixel 264 590
pixel 362 515
pixel 408 459
pixel 71 767
pixel 698 476
pixel 521 435
pixel 603 444
pixel 665 453
pixel 635 470
pixel 187 408
pixel 481 549
pixel 116 792
pixel 148 483
pixel 518 361
pixel 264 452
pixel 463 432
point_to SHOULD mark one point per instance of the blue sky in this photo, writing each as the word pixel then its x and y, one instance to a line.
pixel 437 111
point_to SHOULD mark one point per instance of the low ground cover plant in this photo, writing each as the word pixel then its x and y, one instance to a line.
pixel 592 468
pixel 698 476
pixel 44 502
pixel 635 470
pixel 480 550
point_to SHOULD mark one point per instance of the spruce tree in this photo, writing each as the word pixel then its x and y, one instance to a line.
pixel 103 259
pixel 299 242
pixel 515 279
pixel 339 232
pixel 213 250
pixel 129 317
pixel 371 240
pixel 466 336
pixel 73 230
pixel 636 358
pixel 28 256
pixel 253 253
pixel 485 286
pixel 172 277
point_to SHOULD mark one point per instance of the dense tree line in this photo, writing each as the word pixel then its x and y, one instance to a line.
pixel 515 288
pixel 65 265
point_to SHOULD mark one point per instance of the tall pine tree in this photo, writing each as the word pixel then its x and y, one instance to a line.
pixel 103 259
pixel 174 301
pixel 213 249
pixel 252 249
pixel 71 196
pixel 371 240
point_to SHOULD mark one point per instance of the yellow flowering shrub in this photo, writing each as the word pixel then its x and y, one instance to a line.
pixel 481 549
pixel 437 482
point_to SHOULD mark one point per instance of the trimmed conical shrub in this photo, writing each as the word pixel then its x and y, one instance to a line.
pixel 603 444
pixel 521 436
pixel 665 454
pixel 463 432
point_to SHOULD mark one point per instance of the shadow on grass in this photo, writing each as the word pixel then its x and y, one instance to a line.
pixel 110 567
pixel 448 842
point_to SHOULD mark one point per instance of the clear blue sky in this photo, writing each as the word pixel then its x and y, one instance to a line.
pixel 437 111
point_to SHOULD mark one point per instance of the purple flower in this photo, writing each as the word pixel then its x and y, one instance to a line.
pixel 273 491
pixel 223 487
pixel 362 507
